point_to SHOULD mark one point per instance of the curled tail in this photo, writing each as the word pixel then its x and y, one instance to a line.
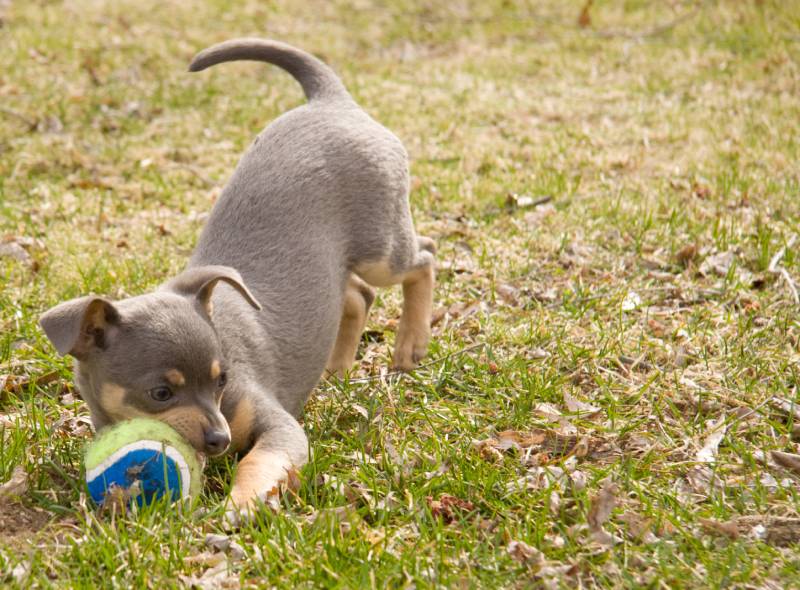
pixel 319 82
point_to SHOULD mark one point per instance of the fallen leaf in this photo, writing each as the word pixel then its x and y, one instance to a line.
pixel 774 530
pixel 686 254
pixel 602 505
pixel 718 264
pixel 701 190
pixel 585 18
pixel 16 485
pixel 213 578
pixel 788 461
pixel 716 432
pixel 524 553
pixel 224 544
pixel 448 507
pixel 206 559
pixel 538 213
pixel 576 406
pixel 729 529
pixel 15 251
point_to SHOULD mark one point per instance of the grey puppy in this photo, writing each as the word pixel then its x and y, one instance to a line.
pixel 277 290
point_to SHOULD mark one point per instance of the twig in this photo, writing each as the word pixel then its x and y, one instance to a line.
pixel 424 366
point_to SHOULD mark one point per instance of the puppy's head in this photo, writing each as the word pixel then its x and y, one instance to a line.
pixel 156 355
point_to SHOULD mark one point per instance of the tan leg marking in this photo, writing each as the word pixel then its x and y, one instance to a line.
pixel 242 424
pixel 414 331
pixel 260 476
pixel 357 300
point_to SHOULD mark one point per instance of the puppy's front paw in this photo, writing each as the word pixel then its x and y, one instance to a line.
pixel 260 479
pixel 411 346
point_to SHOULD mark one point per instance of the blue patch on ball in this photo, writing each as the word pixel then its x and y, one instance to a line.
pixel 144 474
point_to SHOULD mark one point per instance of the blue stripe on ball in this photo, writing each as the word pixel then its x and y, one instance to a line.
pixel 158 474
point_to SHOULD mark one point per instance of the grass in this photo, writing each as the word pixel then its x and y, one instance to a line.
pixel 660 152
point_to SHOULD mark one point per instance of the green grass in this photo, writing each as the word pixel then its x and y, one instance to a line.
pixel 110 155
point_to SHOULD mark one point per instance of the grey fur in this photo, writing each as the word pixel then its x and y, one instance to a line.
pixel 320 194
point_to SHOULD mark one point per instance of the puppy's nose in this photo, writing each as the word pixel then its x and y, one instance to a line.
pixel 216 441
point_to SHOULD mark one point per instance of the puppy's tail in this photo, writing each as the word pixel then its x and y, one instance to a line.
pixel 319 82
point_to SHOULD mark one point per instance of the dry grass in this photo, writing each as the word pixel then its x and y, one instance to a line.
pixel 639 333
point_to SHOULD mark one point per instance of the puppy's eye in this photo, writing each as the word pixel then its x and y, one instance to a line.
pixel 160 394
pixel 223 379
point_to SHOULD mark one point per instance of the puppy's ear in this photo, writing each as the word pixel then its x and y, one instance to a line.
pixel 201 280
pixel 80 325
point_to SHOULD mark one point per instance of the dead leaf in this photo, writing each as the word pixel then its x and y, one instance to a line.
pixel 448 507
pixel 602 505
pixel 214 578
pixel 686 254
pixel 788 461
pixel 701 190
pixel 538 213
pixel 508 293
pixel 15 251
pixel 718 264
pixel 729 529
pixel 524 553
pixel 16 486
pixel 576 406
pixel 780 531
pixel 224 544
pixel 585 18
pixel 716 432
pixel 638 527
pixel 206 559
pixel 539 446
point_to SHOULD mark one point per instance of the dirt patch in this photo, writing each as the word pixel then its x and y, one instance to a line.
pixel 20 523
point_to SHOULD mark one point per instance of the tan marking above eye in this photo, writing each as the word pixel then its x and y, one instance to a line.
pixel 215 369
pixel 175 377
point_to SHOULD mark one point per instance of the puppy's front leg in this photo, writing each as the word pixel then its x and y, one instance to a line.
pixel 280 447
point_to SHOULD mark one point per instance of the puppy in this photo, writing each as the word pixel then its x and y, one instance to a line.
pixel 276 291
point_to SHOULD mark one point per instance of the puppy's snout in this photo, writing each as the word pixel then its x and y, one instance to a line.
pixel 216 441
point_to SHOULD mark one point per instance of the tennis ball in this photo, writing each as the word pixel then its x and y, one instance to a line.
pixel 141 460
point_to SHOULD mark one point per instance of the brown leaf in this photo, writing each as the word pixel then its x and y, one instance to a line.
pixel 775 530
pixel 524 553
pixel 576 406
pixel 788 461
pixel 716 432
pixel 448 507
pixel 585 19
pixel 16 486
pixel 718 264
pixel 602 505
pixel 686 254
pixel 728 529
pixel 549 444
pixel 701 191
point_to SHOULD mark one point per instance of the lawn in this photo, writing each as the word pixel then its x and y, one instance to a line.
pixel 609 398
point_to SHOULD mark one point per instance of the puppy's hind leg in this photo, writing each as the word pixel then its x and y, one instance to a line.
pixel 414 331
pixel 358 299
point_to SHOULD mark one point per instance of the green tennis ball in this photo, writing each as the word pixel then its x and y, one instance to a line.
pixel 141 460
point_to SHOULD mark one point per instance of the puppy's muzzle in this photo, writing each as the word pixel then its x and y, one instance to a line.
pixel 216 441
